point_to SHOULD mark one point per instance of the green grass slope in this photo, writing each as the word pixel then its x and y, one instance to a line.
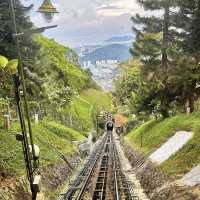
pixel 82 109
pixel 98 98
pixel 47 135
pixel 87 103
pixel 155 133
pixel 62 131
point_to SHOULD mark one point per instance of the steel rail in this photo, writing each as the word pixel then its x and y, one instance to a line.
pixel 101 183
pixel 86 181
pixel 83 188
pixel 126 187
pixel 100 190
pixel 83 177
pixel 116 187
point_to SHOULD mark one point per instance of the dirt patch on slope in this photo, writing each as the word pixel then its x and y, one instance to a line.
pixel 14 188
pixel 53 176
pixel 158 185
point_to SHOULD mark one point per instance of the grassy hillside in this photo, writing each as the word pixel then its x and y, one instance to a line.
pixel 155 133
pixel 61 65
pixel 97 97
pixel 87 103
pixel 50 134
pixel 108 52
pixel 47 132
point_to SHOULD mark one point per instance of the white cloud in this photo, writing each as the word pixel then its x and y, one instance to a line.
pixel 89 21
pixel 119 7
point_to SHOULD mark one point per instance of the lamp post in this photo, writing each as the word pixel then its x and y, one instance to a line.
pixel 26 137
pixel 47 9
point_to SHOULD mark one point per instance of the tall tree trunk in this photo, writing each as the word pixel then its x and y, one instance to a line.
pixel 164 108
pixel 165 35
pixel 191 103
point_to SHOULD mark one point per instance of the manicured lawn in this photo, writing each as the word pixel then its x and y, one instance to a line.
pixel 155 133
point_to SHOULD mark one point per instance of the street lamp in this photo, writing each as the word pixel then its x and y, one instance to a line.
pixel 48 10
pixel 29 150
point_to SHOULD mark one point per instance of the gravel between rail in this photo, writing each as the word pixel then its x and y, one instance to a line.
pixel 128 169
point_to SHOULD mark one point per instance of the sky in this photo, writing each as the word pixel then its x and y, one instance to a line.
pixel 87 22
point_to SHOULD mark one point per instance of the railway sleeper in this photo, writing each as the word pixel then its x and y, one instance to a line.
pixel 100 178
pixel 99 197
pixel 100 187
pixel 102 172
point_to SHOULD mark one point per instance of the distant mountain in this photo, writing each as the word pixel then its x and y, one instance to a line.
pixel 123 38
pixel 110 52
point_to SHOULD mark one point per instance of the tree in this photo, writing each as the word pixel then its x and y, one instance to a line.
pixel 188 22
pixel 52 73
pixel 128 82
pixel 168 46
pixel 156 24
pixel 7 45
pixel 153 46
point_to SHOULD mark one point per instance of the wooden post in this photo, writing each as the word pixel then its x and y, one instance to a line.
pixel 141 142
pixel 7 124
pixel 36 118
pixel 71 120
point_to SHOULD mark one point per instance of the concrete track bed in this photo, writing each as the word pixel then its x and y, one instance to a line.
pixel 156 184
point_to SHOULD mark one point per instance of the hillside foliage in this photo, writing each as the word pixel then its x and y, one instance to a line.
pixel 64 96
pixel 166 79
pixel 52 74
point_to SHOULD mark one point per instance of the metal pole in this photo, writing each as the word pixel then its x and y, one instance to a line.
pixel 21 72
pixel 25 143
pixel 24 135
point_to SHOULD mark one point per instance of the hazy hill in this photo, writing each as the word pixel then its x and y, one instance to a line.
pixel 123 38
pixel 110 52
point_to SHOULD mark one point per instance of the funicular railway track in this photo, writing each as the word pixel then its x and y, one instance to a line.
pixel 102 176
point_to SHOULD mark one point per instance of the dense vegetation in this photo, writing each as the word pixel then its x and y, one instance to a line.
pixel 52 73
pixel 52 136
pixel 84 108
pixel 58 89
pixel 164 77
pixel 162 81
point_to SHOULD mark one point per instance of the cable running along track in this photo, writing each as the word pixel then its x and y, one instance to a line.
pixel 102 177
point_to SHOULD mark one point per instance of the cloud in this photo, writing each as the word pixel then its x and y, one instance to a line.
pixel 119 7
pixel 88 21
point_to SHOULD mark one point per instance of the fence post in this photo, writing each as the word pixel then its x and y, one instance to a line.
pixel 36 118
pixel 7 124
